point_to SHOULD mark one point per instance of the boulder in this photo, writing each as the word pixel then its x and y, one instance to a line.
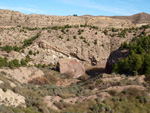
pixel 71 67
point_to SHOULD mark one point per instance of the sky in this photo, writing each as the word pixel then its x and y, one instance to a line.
pixel 79 7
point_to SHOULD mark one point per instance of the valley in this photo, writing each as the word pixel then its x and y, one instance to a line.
pixel 74 64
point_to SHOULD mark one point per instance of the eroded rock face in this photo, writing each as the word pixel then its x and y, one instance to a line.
pixel 94 54
pixel 71 67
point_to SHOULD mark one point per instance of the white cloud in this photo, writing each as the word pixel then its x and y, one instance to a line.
pixel 101 7
pixel 27 10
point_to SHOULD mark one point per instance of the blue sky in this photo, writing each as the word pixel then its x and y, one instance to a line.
pixel 79 7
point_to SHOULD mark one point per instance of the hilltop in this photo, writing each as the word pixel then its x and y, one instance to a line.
pixel 14 18
pixel 138 19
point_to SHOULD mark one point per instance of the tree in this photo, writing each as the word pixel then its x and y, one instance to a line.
pixel 30 52
pixel 75 15
pixel 23 62
pixel 115 68
pixel 7 48
pixel 11 65
pixel 16 63
pixel 147 64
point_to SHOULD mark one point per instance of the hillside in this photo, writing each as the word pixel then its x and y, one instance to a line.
pixel 138 19
pixel 88 44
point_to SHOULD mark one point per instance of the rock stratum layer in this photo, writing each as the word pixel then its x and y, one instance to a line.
pixel 13 18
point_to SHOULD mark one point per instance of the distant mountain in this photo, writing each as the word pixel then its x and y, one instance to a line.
pixel 136 19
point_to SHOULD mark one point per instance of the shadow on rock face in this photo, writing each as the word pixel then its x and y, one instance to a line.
pixel 94 71
pixel 114 57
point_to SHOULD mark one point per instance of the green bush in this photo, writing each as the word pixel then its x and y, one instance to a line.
pixel 5 89
pixel 30 52
pixel 75 37
pixel 108 108
pixel 106 32
pixel 23 62
pixel 7 48
pixel 28 42
pixel 95 42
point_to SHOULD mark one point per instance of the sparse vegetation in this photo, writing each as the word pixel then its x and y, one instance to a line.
pixel 30 41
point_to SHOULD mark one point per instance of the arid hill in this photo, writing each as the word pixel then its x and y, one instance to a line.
pixel 138 19
pixel 14 18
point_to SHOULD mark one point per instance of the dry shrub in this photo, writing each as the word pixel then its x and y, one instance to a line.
pixel 133 92
pixel 83 77
pixel 51 78
pixel 112 92
pixel 39 81
pixel 147 79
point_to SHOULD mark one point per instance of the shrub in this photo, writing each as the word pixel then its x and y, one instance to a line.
pixel 16 63
pixel 22 51
pixel 39 81
pixel 37 52
pixel 23 62
pixel 95 42
pixel 60 37
pixel 28 42
pixel 102 45
pixel 27 58
pixel 5 89
pixel 108 108
pixel 106 32
pixel 74 37
pixel 30 52
pixel 88 44
pixel 7 48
